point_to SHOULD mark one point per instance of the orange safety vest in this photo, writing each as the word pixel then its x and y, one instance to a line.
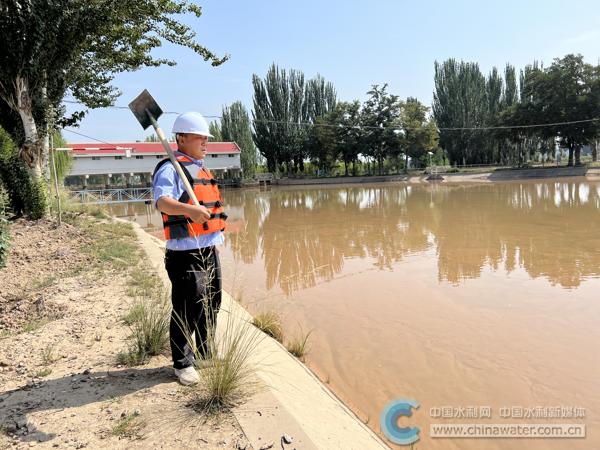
pixel 207 192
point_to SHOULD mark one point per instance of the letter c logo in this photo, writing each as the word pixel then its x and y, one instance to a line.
pixel 389 421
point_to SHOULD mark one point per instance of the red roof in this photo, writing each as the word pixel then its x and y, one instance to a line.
pixel 97 148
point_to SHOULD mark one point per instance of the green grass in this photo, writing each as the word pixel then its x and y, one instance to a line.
pixel 270 323
pixel 229 378
pixel 120 253
pixel 298 346
pixel 129 426
pixel 134 314
pixel 35 324
pixel 43 372
pixel 43 283
pixel 73 210
pixel 6 334
pixel 49 355
pixel 150 318
pixel 114 243
pixel 142 281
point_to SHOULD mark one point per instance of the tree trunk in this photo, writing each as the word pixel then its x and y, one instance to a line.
pixel 578 156
pixel 595 151
pixel 32 148
pixel 345 168
pixel 570 163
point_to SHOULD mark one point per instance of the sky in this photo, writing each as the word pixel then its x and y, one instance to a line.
pixel 353 44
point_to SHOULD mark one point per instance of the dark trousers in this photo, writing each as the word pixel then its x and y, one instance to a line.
pixel 196 297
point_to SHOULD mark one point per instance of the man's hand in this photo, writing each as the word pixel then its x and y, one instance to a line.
pixel 199 214
pixel 172 207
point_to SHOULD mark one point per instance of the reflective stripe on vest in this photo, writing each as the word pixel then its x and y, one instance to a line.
pixel 207 192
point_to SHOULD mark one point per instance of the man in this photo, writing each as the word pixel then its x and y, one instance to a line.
pixel 192 234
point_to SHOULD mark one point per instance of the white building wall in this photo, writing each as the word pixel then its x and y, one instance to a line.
pixel 100 165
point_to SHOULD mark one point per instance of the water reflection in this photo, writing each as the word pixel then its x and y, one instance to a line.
pixel 304 235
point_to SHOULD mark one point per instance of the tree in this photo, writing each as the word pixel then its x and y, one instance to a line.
pixel 460 102
pixel 320 99
pixel 420 133
pixel 271 116
pixel 23 196
pixel 337 134
pixel 350 133
pixel 283 103
pixel 566 91
pixel 380 116
pixel 76 47
pixel 236 128
pixel 215 129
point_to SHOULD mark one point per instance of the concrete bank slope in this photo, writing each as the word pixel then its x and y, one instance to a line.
pixel 460 177
pixel 292 401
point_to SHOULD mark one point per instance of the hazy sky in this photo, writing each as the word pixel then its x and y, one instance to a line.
pixel 353 44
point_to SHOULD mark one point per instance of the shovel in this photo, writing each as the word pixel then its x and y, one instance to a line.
pixel 146 111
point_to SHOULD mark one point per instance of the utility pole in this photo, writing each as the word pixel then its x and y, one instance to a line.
pixel 52 155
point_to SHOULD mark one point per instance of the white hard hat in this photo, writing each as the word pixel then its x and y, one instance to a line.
pixel 191 122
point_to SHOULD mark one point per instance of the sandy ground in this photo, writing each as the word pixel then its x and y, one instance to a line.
pixel 61 329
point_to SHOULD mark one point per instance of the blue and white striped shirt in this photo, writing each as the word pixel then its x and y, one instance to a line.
pixel 166 183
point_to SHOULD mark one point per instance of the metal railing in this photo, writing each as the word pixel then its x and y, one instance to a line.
pixel 125 195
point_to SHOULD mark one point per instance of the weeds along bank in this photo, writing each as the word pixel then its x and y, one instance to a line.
pixel 84 345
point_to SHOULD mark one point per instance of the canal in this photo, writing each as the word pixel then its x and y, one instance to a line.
pixel 462 297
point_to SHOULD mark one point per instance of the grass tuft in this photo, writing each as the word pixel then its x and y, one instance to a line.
pixel 298 346
pixel 134 314
pixel 129 426
pixel 43 372
pixel 149 326
pixel 228 377
pixel 35 324
pixel 142 282
pixel 270 323
pixel 49 355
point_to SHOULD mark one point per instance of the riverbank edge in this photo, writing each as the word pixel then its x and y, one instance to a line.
pixel 460 177
pixel 298 403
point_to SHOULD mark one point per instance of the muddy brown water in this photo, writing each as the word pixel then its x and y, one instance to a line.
pixel 466 298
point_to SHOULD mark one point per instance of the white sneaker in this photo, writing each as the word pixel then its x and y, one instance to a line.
pixel 187 376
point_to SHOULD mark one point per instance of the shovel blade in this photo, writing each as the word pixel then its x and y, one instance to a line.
pixel 144 105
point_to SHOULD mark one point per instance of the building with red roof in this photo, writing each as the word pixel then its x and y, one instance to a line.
pixel 132 163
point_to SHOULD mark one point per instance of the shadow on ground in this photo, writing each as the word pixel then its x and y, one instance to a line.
pixel 57 395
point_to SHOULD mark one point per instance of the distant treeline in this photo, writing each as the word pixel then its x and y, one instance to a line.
pixel 506 117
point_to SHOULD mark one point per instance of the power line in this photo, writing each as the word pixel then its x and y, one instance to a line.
pixel 86 136
pixel 73 102
pixel 368 127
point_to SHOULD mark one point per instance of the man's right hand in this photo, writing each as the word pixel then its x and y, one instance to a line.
pixel 199 214
pixel 172 207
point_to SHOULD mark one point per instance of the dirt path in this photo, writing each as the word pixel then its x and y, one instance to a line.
pixel 61 327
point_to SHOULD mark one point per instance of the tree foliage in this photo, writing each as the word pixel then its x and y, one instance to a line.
pixel 26 196
pixel 283 105
pixel 75 47
pixel 214 128
pixel 380 116
pixel 420 133
pixel 566 91
pixel 235 127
